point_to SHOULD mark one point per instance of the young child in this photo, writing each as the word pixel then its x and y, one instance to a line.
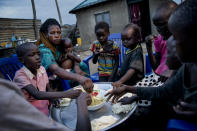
pixel 33 80
pixel 181 90
pixel 160 20
pixel 105 52
pixel 173 63
pixel 132 69
pixel 68 59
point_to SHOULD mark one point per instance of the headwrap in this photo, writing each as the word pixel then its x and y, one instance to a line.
pixel 43 39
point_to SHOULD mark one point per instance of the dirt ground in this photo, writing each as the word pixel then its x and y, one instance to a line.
pixel 93 67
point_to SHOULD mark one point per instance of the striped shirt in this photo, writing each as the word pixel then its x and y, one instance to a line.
pixel 106 60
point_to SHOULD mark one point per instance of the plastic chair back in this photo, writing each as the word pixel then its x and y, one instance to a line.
pixel 181 125
pixel 116 37
pixel 9 66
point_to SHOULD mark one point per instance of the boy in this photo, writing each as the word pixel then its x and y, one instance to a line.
pixel 33 80
pixel 105 52
pixel 181 90
pixel 19 115
pixel 132 69
pixel 160 20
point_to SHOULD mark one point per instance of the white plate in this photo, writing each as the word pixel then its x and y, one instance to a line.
pixel 96 107
pixel 101 94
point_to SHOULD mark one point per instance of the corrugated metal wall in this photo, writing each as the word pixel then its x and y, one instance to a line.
pixel 20 27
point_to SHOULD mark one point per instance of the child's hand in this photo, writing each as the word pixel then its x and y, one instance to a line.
pixel 70 54
pixel 82 73
pixel 55 102
pixel 149 41
pixel 116 93
pixel 72 93
pixel 186 110
pixel 97 52
pixel 69 50
pixel 84 97
pixel 128 100
pixel 78 70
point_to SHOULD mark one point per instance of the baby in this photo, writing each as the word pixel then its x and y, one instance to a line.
pixel 68 59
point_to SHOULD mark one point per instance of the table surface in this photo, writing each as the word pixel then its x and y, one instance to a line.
pixel 68 115
pixel 3 48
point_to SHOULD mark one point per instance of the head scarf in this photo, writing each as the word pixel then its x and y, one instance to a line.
pixel 43 39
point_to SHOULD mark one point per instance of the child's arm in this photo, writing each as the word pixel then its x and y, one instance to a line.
pixel 95 56
pixel 115 69
pixel 124 78
pixel 42 95
pixel 83 120
pixel 153 61
pixel 186 110
pixel 74 57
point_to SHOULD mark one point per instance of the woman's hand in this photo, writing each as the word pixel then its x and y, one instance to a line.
pixel 72 93
pixel 186 110
pixel 84 97
pixel 116 93
pixel 128 100
pixel 87 84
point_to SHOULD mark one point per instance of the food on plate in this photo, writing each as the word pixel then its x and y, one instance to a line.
pixel 79 88
pixel 103 122
pixel 119 108
pixel 94 93
pixel 96 100
pixel 65 102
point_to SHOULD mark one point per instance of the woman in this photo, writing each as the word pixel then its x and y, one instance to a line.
pixel 50 37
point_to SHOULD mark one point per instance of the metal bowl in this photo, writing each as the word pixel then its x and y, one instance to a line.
pixel 68 115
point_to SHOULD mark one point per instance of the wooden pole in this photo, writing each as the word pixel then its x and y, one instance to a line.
pixel 34 19
pixel 58 11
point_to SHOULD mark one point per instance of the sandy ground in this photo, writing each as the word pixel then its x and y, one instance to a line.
pixel 93 67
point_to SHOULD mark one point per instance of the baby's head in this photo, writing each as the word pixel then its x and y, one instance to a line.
pixel 172 59
pixel 29 55
pixel 183 25
pixel 102 32
pixel 131 36
pixel 67 44
pixel 161 16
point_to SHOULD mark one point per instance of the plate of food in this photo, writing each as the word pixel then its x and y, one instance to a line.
pixel 98 100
